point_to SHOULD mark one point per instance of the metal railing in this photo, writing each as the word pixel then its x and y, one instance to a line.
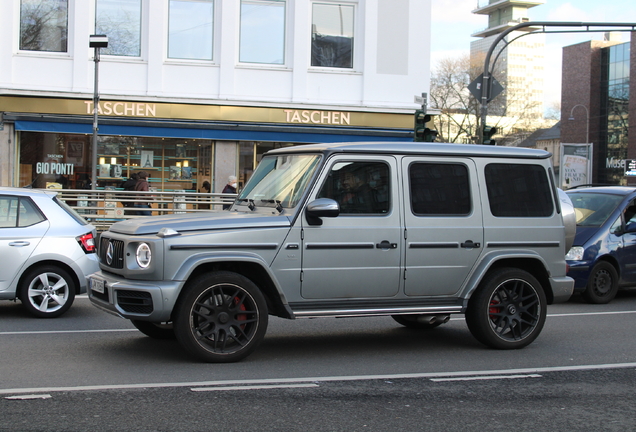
pixel 102 208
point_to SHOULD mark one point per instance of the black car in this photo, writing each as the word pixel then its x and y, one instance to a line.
pixel 602 259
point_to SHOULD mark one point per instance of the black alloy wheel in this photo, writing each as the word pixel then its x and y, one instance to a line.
pixel 221 318
pixel 508 309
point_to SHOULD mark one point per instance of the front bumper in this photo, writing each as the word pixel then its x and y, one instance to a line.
pixel 132 299
pixel 580 272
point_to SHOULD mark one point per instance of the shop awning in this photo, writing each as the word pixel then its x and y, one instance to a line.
pixel 212 131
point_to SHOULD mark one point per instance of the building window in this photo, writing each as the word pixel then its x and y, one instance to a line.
pixel 262 38
pixel 120 20
pixel 44 25
pixel 190 29
pixel 332 35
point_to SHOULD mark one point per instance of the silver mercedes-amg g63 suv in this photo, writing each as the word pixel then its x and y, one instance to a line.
pixel 415 231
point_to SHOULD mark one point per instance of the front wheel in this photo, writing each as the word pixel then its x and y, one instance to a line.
pixel 508 309
pixel 602 284
pixel 221 318
pixel 47 291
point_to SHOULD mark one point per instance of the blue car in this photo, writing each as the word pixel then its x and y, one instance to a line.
pixel 602 259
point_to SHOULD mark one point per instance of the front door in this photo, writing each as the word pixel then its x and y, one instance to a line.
pixel 356 254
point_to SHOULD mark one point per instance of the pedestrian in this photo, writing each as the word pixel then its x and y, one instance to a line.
pixel 230 188
pixel 205 188
pixel 129 185
pixel 142 186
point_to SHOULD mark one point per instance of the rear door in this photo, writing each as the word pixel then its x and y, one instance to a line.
pixel 22 226
pixel 443 218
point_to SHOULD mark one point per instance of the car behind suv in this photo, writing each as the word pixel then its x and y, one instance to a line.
pixel 602 258
pixel 413 231
pixel 48 251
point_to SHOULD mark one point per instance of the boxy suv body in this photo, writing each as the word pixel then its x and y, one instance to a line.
pixel 414 231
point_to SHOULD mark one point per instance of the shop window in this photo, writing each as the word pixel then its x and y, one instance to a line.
pixel 332 35
pixel 120 20
pixel 262 36
pixel 190 29
pixel 44 25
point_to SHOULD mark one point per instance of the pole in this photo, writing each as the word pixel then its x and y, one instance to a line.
pixel 587 116
pixel 95 120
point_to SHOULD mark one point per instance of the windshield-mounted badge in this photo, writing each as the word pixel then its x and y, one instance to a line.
pixel 109 253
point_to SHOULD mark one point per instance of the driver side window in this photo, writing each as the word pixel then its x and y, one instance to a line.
pixel 359 187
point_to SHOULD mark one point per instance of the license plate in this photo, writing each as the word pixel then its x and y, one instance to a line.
pixel 97 285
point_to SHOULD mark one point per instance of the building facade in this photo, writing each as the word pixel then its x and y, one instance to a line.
pixel 196 90
pixel 518 60
pixel 598 96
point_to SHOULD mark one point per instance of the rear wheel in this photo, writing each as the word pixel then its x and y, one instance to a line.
pixel 221 318
pixel 155 330
pixel 508 309
pixel 602 285
pixel 47 291
pixel 421 321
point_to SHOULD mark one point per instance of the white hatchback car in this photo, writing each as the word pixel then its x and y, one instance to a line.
pixel 47 250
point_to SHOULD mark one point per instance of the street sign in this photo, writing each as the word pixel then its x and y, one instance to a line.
pixel 422 100
pixel 475 88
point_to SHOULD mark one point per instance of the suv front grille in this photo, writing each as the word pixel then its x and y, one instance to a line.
pixel 134 301
pixel 116 261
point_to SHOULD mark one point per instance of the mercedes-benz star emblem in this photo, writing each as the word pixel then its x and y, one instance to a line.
pixel 109 253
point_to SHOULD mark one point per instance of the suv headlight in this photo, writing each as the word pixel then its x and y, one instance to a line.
pixel 143 255
pixel 575 254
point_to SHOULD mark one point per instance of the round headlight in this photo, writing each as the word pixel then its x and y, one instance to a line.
pixel 143 255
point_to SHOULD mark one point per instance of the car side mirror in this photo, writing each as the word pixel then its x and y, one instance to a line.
pixel 322 207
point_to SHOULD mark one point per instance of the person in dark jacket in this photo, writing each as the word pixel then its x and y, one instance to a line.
pixel 129 185
pixel 230 188
pixel 142 186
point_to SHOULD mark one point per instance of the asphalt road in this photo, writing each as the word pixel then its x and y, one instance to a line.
pixel 89 370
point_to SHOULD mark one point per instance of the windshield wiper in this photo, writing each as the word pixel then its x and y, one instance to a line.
pixel 250 203
pixel 279 205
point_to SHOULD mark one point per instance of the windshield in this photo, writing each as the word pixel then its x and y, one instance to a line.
pixel 279 181
pixel 593 209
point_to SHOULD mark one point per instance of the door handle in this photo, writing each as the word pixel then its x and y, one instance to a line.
pixel 19 243
pixel 468 244
pixel 385 244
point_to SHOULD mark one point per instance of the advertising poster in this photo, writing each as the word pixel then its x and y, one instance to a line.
pixel 576 165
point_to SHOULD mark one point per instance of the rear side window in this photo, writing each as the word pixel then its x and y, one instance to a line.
pixel 518 190
pixel 18 212
pixel 439 189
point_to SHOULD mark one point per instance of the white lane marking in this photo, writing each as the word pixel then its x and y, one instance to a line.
pixel 134 330
pixel 67 331
pixel 493 377
pixel 252 387
pixel 315 380
pixel 29 397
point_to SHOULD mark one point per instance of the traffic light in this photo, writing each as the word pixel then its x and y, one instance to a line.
pixel 489 131
pixel 422 133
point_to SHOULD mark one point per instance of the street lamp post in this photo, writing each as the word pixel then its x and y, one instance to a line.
pixel 97 42
pixel 587 115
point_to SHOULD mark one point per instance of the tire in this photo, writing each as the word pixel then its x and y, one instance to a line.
pixel 47 291
pixel 602 284
pixel 155 330
pixel 508 309
pixel 421 321
pixel 221 318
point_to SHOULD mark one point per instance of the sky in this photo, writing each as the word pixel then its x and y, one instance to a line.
pixel 453 23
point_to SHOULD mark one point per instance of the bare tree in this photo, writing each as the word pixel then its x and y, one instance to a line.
pixel 459 120
pixel 43 25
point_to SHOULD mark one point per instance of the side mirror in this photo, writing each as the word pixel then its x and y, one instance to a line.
pixel 630 227
pixel 322 207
